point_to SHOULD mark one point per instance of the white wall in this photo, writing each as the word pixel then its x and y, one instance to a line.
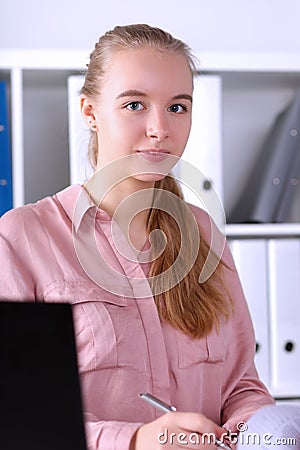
pixel 207 25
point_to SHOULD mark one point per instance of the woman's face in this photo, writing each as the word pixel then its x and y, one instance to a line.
pixel 145 107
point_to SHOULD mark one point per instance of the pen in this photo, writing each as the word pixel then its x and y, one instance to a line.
pixel 167 408
pixel 157 403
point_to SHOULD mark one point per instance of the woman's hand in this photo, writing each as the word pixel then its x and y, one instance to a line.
pixel 177 430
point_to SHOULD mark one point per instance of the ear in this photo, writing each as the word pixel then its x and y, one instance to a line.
pixel 87 111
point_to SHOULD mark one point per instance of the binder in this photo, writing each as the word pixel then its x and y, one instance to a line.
pixel 250 257
pixel 268 182
pixel 284 285
pixel 6 200
pixel 204 147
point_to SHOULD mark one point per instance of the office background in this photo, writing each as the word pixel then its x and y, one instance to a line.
pixel 263 32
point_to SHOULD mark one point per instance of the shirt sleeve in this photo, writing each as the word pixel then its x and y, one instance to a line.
pixel 15 279
pixel 108 435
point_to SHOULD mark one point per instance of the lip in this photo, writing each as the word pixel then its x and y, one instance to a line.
pixel 153 154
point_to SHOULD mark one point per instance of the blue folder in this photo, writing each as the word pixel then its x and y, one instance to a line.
pixel 6 201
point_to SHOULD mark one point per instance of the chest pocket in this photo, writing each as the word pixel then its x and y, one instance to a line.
pixel 95 335
pixel 209 350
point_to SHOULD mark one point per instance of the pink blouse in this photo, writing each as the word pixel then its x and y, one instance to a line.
pixel 123 348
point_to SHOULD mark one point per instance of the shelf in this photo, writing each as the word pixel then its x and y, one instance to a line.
pixel 265 230
pixel 44 59
pixel 249 62
pixel 286 395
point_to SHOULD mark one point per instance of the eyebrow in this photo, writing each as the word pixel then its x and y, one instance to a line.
pixel 185 96
pixel 135 93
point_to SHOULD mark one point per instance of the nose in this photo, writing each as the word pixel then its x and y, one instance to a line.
pixel 157 127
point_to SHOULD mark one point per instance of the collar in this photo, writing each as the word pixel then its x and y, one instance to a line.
pixel 76 202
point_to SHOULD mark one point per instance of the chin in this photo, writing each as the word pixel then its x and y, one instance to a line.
pixel 150 177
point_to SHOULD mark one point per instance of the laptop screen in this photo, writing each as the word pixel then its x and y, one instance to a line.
pixel 40 397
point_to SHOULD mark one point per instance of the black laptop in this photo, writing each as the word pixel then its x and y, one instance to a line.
pixel 40 399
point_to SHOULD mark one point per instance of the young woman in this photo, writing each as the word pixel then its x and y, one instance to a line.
pixel 121 249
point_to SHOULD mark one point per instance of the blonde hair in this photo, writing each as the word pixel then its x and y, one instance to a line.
pixel 191 307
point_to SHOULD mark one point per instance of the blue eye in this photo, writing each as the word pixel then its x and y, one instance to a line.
pixel 177 108
pixel 134 106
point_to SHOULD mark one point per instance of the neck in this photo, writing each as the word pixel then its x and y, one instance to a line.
pixel 128 203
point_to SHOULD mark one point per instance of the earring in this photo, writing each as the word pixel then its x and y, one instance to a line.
pixel 93 125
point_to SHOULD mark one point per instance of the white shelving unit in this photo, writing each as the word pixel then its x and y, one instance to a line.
pixel 255 88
